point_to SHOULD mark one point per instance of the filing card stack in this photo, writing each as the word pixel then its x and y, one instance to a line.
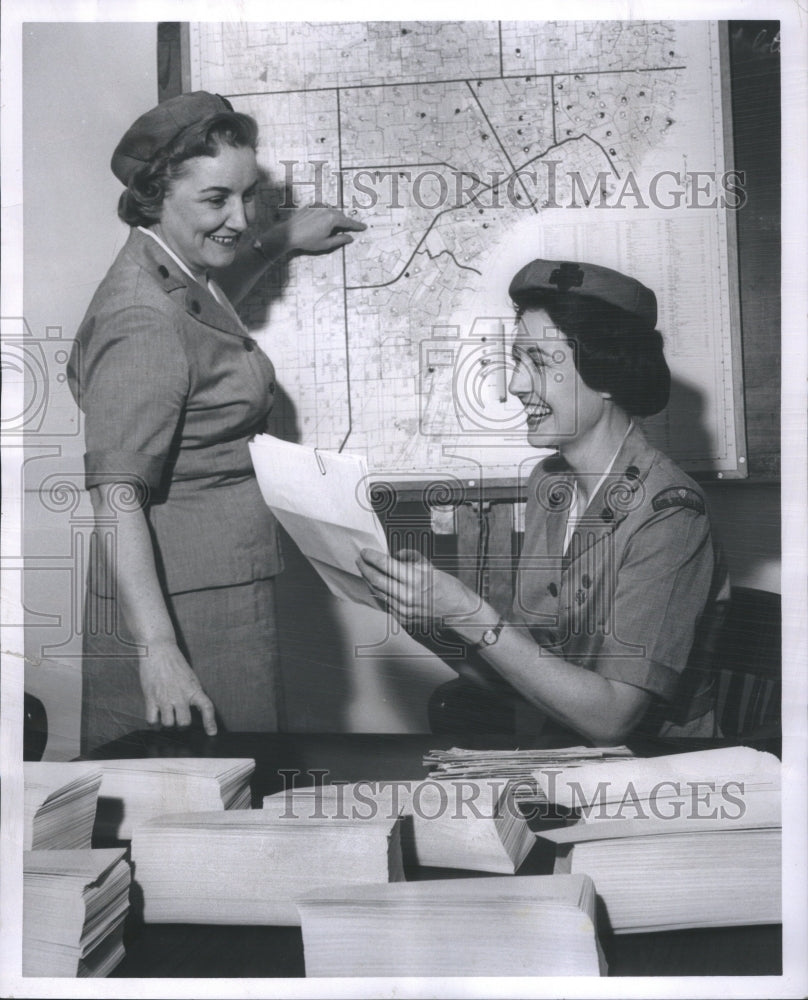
pixel 248 866
pixel 530 926
pixel 691 840
pixel 133 791
pixel 74 906
pixel 517 766
pixel 60 804
pixel 460 823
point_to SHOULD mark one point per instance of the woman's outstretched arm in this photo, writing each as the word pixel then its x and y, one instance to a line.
pixel 311 230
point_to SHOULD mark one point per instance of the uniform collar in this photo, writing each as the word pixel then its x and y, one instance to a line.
pixel 622 491
pixel 198 301
pixel 162 243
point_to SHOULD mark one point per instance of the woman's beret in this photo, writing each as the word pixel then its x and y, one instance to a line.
pixel 586 279
pixel 158 127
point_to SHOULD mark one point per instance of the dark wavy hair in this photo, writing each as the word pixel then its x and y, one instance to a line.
pixel 142 201
pixel 614 351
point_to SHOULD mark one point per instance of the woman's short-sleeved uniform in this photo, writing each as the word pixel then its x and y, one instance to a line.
pixel 638 593
pixel 172 387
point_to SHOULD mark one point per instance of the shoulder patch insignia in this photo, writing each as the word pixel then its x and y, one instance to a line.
pixel 678 496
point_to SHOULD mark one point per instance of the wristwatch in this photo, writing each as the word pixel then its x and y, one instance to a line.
pixel 490 636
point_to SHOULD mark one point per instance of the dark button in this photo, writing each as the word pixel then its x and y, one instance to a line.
pixel 586 580
pixel 162 270
pixel 607 514
pixel 553 589
pixel 633 472
pixel 272 388
pixel 249 345
pixel 196 306
pixel 580 596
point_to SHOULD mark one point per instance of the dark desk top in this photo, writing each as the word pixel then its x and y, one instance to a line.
pixel 210 951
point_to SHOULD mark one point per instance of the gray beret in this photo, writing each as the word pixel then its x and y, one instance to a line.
pixel 160 126
pixel 585 279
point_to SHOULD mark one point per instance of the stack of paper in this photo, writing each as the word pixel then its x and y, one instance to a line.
pixel 690 840
pixel 518 766
pixel 248 866
pixel 133 791
pixel 461 823
pixel 531 926
pixel 60 803
pixel 74 907
pixel 654 777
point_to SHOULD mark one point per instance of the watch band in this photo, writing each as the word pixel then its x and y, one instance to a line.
pixel 490 636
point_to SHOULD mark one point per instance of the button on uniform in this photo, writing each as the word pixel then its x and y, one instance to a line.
pixel 249 345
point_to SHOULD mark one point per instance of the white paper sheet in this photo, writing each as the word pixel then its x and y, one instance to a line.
pixel 322 500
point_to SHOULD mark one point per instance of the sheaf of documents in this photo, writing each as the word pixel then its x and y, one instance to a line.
pixel 321 499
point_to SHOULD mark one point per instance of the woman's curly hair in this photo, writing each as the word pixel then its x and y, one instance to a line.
pixel 141 203
pixel 614 351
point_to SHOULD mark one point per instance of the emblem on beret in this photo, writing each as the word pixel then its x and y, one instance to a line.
pixel 567 276
pixel 678 496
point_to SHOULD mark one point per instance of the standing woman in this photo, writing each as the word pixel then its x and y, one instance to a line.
pixel 180 609
pixel 619 582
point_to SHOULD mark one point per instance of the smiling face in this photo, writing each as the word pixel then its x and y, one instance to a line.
pixel 208 207
pixel 561 409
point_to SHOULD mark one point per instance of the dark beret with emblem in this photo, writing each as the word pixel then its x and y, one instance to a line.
pixel 160 126
pixel 591 280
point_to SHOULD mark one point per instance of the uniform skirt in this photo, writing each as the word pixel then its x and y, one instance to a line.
pixel 229 637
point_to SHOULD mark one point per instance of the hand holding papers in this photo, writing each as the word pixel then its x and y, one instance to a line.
pixel 320 499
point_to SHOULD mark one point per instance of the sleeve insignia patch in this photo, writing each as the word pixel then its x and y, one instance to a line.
pixel 678 496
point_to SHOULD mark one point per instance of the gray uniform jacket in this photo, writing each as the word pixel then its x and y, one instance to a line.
pixel 172 387
pixel 640 584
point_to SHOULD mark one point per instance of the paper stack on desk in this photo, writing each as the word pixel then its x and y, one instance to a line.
pixel 463 823
pixel 60 804
pixel 248 866
pixel 688 840
pixel 74 907
pixel 541 925
pixel 133 791
pixel 517 766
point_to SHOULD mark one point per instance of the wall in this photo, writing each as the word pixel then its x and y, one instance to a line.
pixel 81 82
pixel 746 519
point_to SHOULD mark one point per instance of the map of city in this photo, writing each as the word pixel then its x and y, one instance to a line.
pixel 469 148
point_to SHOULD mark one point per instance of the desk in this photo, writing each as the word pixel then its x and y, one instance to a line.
pixel 208 951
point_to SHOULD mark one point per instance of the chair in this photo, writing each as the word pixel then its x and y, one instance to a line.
pixel 35 728
pixel 746 666
pixel 459 706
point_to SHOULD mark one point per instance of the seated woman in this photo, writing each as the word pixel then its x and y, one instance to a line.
pixel 619 576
